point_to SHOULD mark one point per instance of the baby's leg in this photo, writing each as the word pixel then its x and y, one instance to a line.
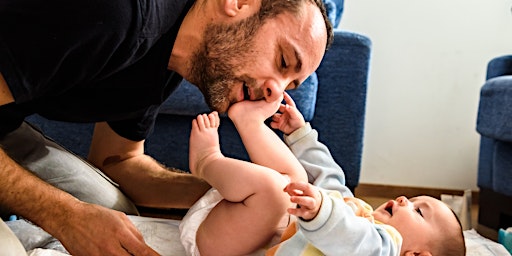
pixel 254 198
pixel 233 178
pixel 204 142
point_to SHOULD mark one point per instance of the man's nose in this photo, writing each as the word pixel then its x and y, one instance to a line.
pixel 273 90
pixel 402 200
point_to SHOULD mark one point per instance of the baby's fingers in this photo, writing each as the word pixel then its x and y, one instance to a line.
pixel 302 212
pixel 305 202
pixel 292 189
pixel 304 187
pixel 288 99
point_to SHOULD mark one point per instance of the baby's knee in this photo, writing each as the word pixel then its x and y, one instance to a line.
pixel 273 191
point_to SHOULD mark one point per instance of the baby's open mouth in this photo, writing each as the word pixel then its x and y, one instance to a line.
pixel 389 208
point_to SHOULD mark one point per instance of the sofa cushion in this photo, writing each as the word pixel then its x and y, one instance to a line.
pixel 187 100
pixel 334 10
pixel 494 115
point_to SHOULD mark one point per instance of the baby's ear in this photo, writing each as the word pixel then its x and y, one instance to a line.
pixel 421 253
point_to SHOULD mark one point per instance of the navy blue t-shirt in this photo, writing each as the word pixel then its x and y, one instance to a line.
pixel 89 61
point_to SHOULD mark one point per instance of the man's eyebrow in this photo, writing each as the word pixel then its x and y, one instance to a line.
pixel 298 66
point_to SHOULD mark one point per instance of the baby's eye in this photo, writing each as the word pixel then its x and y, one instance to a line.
pixel 418 210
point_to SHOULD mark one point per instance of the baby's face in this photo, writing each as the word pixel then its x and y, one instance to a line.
pixel 419 219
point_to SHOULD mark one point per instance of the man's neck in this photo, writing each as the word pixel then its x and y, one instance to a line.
pixel 188 39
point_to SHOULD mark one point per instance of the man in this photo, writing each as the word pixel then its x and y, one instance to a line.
pixel 114 63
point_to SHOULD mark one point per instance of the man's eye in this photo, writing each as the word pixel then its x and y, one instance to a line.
pixel 419 212
pixel 283 62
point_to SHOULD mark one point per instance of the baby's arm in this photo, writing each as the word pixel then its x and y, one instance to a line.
pixel 322 169
pixel 336 230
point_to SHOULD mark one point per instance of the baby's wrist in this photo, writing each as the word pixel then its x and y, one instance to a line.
pixel 298 134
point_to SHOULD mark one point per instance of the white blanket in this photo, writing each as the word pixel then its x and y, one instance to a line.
pixel 163 236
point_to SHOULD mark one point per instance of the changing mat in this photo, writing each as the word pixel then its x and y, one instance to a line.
pixel 163 236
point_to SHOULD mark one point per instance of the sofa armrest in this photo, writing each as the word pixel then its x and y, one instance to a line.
pixel 494 118
pixel 341 101
pixel 499 66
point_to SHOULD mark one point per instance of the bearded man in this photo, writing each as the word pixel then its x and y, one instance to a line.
pixel 113 63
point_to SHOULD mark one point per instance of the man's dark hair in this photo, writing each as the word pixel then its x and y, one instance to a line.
pixel 271 8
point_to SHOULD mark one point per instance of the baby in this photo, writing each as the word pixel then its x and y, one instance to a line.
pixel 251 202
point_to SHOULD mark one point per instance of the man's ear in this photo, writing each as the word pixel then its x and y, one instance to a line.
pixel 234 7
pixel 421 253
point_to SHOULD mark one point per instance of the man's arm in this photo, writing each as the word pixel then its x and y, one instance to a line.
pixel 5 93
pixel 83 229
pixel 145 181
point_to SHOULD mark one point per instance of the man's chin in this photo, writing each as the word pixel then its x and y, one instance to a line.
pixel 221 107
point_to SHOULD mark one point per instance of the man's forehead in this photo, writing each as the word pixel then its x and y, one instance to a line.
pixel 307 36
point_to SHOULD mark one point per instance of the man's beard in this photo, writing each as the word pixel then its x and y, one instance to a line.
pixel 222 54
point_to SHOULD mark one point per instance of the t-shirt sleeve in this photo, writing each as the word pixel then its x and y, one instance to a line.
pixel 136 129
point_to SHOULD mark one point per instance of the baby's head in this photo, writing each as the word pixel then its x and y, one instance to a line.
pixel 427 225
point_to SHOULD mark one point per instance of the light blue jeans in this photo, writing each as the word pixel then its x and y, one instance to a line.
pixel 62 169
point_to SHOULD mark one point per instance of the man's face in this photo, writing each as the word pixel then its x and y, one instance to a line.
pixel 253 59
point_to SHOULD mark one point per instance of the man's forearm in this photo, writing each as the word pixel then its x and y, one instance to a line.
pixel 25 194
pixel 148 183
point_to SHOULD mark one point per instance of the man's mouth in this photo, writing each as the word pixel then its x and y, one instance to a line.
pixel 246 92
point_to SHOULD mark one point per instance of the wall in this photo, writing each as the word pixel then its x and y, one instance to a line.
pixel 428 64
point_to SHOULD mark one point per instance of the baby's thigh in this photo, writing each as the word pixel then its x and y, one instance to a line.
pixel 240 228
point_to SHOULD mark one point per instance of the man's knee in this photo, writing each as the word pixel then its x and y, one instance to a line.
pixel 63 169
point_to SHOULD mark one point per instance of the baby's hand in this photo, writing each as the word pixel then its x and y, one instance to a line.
pixel 290 118
pixel 307 197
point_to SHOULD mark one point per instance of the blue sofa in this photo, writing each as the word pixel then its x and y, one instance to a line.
pixel 494 124
pixel 333 100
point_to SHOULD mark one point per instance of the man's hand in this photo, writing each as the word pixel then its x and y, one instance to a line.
pixel 307 197
pixel 290 118
pixel 94 230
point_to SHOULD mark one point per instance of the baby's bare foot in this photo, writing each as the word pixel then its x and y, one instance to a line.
pixel 204 142
pixel 259 111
